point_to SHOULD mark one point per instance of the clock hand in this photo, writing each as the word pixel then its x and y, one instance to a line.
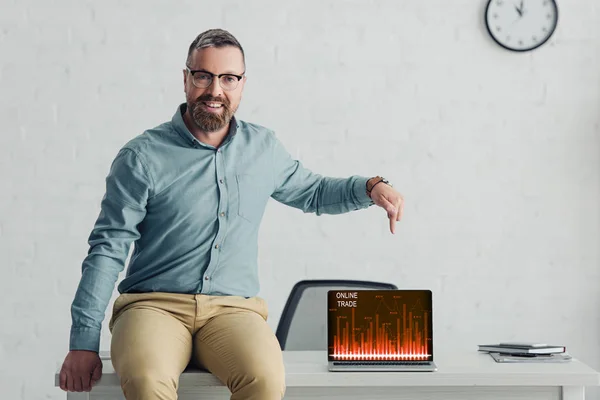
pixel 519 11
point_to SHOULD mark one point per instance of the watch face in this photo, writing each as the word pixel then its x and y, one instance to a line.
pixel 521 25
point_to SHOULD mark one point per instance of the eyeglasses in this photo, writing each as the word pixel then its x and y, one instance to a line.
pixel 203 79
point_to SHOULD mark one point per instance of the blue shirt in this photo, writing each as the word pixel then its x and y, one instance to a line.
pixel 193 212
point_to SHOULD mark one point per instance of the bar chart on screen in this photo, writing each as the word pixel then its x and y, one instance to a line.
pixel 379 325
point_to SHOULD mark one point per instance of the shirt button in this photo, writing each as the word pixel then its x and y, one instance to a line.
pixel 220 180
pixel 216 246
pixel 206 278
pixel 222 214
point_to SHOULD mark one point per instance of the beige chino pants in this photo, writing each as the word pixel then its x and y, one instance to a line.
pixel 156 335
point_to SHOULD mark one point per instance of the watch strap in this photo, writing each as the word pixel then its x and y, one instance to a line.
pixel 371 183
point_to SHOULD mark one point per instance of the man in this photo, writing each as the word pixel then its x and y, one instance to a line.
pixel 191 194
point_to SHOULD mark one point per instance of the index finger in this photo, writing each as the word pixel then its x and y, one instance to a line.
pixel 392 218
pixel 63 380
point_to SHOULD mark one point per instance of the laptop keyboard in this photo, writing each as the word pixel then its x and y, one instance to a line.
pixel 381 363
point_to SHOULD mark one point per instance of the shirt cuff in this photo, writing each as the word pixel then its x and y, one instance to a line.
pixel 85 339
pixel 360 192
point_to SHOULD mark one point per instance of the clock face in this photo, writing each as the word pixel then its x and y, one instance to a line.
pixel 521 25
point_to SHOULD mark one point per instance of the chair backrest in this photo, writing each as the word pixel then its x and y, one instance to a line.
pixel 303 323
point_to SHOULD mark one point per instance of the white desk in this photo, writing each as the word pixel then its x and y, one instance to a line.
pixel 464 376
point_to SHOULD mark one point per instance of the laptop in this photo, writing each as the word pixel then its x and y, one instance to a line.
pixel 380 330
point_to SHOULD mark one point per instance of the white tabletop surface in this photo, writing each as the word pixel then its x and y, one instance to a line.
pixel 309 368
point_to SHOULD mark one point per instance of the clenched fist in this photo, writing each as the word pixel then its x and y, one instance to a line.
pixel 80 371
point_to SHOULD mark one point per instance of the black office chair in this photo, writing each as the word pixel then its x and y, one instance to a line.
pixel 303 323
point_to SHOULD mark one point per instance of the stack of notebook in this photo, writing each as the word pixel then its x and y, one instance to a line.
pixel 525 352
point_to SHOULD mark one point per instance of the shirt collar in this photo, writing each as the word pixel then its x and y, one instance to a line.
pixel 185 133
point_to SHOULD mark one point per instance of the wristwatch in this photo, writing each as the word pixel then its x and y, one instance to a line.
pixel 374 181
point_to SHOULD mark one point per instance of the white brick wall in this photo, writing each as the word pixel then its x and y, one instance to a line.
pixel 496 153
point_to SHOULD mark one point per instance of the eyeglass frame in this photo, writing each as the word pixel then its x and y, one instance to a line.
pixel 212 77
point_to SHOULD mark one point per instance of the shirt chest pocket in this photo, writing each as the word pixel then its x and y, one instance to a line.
pixel 253 193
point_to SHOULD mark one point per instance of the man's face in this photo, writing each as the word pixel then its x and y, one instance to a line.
pixel 212 108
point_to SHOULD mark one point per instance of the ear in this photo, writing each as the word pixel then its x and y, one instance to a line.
pixel 185 75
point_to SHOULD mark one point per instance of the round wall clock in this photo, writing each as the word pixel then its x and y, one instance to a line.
pixel 521 25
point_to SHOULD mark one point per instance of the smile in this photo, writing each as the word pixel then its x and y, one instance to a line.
pixel 213 105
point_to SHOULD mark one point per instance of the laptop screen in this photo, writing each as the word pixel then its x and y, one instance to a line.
pixel 379 325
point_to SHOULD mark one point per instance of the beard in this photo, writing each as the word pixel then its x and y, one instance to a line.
pixel 208 121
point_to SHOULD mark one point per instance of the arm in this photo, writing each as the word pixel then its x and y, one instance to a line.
pixel 122 209
pixel 298 187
